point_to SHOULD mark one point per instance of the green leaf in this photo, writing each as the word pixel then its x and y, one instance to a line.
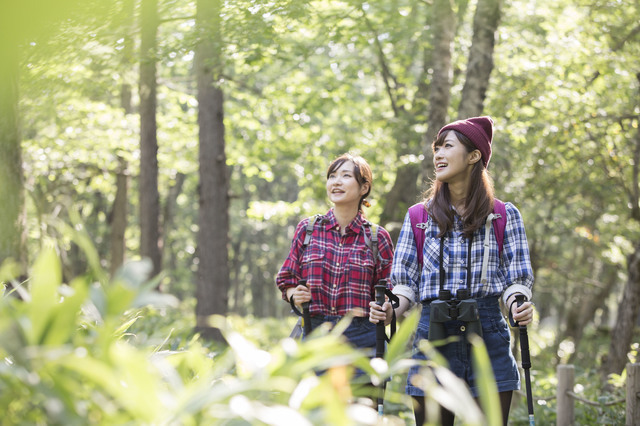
pixel 485 381
pixel 64 316
pixel 45 279
pixel 401 342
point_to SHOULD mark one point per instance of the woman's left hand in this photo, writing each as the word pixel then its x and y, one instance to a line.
pixel 522 314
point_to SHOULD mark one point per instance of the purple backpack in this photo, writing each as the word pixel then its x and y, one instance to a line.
pixel 418 215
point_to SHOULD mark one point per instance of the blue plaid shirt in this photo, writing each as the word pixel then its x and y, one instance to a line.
pixel 511 272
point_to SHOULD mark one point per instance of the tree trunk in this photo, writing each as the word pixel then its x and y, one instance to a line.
pixel 127 59
pixel 168 223
pixel 149 198
pixel 12 214
pixel 480 63
pixel 118 218
pixel 593 304
pixel 629 306
pixel 628 309
pixel 443 26
pixel 402 196
pixel 406 189
pixel 213 268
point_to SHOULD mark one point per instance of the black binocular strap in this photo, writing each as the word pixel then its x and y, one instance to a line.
pixel 442 276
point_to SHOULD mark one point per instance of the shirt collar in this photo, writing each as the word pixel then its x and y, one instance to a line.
pixel 356 224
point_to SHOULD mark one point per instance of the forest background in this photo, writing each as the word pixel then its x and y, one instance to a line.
pixel 197 134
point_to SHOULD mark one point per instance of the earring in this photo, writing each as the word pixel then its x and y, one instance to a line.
pixel 366 203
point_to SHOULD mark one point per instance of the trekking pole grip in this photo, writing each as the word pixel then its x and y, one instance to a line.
pixel 524 338
pixel 381 287
pixel 381 336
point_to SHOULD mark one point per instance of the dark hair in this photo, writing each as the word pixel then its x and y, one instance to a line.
pixel 479 201
pixel 361 170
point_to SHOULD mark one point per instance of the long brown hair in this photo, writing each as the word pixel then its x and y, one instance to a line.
pixel 478 204
pixel 362 172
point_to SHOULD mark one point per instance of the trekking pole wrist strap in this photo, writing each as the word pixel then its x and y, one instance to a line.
pixel 294 307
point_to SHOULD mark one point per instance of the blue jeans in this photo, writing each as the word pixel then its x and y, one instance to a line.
pixel 361 333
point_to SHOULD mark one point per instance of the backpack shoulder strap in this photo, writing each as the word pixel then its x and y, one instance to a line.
pixel 418 215
pixel 373 242
pixel 501 222
pixel 309 231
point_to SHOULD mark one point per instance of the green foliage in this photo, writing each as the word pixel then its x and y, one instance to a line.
pixel 587 382
pixel 119 352
pixel 303 82
pixel 91 351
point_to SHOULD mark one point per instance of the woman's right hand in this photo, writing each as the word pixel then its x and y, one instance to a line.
pixel 379 313
pixel 300 294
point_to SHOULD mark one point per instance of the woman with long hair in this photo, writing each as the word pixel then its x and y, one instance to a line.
pixel 462 260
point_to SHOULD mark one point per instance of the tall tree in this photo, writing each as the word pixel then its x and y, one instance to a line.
pixel 128 55
pixel 429 107
pixel 480 63
pixel 629 306
pixel 213 268
pixel 11 189
pixel 148 196
pixel 118 216
pixel 19 22
pixel 443 24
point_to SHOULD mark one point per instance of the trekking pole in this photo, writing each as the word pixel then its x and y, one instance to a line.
pixel 526 363
pixel 381 338
pixel 306 315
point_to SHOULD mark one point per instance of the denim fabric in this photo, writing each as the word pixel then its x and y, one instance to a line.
pixel 361 333
pixel 496 337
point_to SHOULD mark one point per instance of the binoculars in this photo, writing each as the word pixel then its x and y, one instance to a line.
pixel 460 308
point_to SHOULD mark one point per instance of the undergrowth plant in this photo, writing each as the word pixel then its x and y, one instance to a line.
pixel 113 350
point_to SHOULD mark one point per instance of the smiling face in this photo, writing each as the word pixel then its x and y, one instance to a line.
pixel 343 188
pixel 452 161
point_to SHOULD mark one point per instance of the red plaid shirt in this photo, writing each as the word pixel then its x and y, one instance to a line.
pixel 339 269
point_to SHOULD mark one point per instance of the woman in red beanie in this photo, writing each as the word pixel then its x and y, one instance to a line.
pixel 464 270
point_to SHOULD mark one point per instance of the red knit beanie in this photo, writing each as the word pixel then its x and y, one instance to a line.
pixel 479 130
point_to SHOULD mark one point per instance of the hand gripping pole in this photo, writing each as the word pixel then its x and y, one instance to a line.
pixel 305 314
pixel 381 336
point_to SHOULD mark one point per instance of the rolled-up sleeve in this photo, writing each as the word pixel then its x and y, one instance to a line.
pixel 515 257
pixel 405 272
pixel 290 273
pixel 385 250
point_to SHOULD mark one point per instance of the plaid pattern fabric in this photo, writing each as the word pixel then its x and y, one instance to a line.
pixel 339 269
pixel 513 268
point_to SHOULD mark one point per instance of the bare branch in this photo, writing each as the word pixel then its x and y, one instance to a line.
pixel 386 73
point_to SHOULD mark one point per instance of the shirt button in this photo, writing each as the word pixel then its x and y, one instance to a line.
pixel 462 328
pixel 460 282
pixel 335 285
pixel 338 264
